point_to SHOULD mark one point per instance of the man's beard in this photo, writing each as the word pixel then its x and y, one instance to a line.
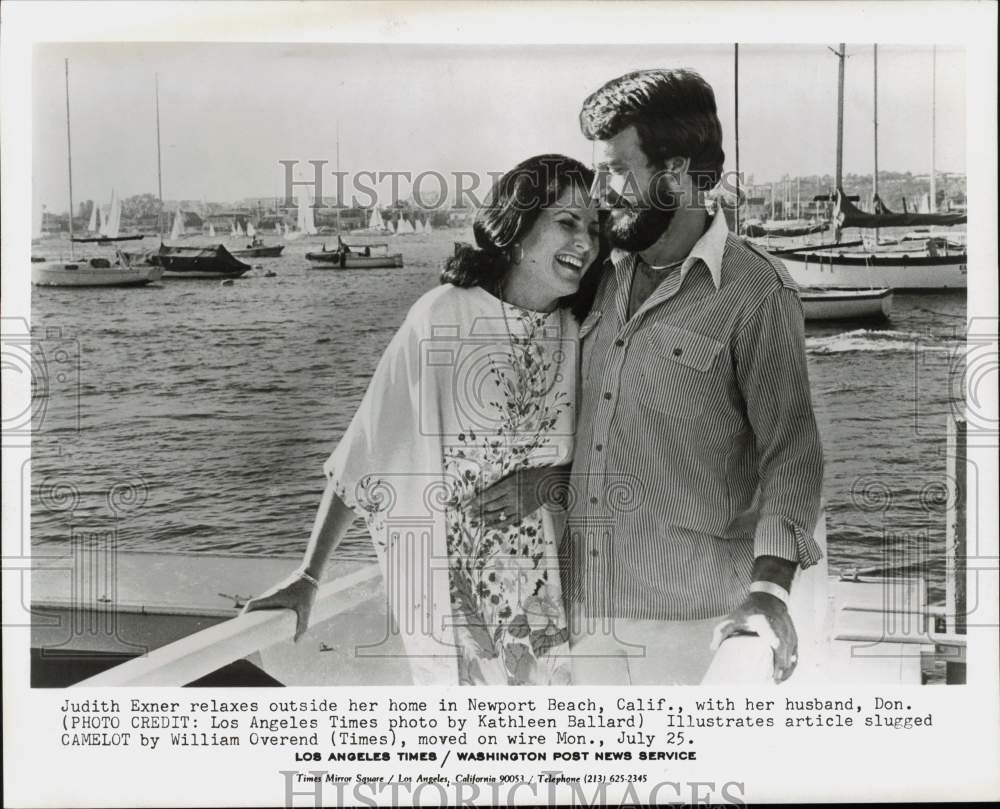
pixel 640 227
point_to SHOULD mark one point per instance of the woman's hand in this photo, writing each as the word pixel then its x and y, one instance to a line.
pixel 511 499
pixel 297 593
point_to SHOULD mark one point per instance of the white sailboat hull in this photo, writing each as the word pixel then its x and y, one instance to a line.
pixel 894 271
pixel 83 274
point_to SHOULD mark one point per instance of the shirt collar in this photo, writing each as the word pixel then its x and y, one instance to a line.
pixel 709 249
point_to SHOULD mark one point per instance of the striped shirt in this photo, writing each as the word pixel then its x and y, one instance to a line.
pixel 697 449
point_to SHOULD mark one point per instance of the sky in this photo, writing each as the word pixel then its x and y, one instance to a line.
pixel 230 112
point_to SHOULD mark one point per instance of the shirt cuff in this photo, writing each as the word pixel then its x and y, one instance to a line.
pixel 777 536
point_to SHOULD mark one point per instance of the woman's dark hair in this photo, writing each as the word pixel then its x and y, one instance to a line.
pixel 511 211
pixel 674 115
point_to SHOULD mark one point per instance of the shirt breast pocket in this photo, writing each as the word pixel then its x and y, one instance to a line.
pixel 681 372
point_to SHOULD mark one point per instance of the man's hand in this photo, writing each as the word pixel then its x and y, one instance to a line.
pixel 764 615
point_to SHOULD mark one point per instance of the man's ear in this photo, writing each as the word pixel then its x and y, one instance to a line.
pixel 677 167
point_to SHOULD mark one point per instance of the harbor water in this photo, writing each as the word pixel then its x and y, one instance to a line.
pixel 193 417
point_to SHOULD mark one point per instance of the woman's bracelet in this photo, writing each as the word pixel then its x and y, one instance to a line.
pixel 302 574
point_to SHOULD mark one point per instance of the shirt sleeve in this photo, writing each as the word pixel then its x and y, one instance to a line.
pixel 382 438
pixel 773 377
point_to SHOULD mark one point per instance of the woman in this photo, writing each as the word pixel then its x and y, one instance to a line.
pixel 477 385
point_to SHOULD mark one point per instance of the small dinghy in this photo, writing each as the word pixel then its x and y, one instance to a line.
pixel 844 303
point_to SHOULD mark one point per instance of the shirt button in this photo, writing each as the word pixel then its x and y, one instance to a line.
pixel 593 553
pixel 677 352
pixel 593 500
pixel 619 343
pixel 599 447
pixel 607 395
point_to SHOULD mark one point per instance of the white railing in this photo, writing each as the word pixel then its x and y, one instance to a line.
pixel 741 659
pixel 197 655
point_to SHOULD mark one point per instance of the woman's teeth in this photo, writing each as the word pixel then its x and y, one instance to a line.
pixel 572 262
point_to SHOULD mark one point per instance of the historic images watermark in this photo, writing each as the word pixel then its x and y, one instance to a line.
pixel 431 190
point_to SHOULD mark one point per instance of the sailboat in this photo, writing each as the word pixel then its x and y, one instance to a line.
pixel 931 267
pixel 177 230
pixel 37 223
pixel 376 225
pixel 305 224
pixel 97 271
pixel 404 227
pixel 827 303
pixel 110 229
pixel 175 261
pixel 307 217
pixel 785 228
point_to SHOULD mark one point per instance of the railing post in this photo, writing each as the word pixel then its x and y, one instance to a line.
pixel 955 540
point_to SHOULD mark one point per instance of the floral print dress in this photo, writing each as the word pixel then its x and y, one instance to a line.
pixel 468 391
pixel 505 590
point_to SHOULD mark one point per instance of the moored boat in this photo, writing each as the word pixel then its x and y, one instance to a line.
pixel 345 257
pixel 935 265
pixel 92 272
pixel 257 249
pixel 785 228
pixel 214 261
pixel 130 237
pixel 916 270
pixel 828 303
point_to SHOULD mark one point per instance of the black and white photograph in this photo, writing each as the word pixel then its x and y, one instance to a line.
pixel 383 366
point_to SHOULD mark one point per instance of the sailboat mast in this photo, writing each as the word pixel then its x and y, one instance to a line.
pixel 840 115
pixel 736 117
pixel 875 119
pixel 933 201
pixel 839 176
pixel 159 170
pixel 340 183
pixel 69 162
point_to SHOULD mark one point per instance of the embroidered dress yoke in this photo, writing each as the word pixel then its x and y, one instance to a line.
pixel 469 390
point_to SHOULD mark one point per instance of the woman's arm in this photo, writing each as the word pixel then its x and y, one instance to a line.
pixel 521 493
pixel 298 591
pixel 333 518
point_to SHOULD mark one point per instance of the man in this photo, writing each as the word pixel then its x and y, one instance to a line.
pixel 698 466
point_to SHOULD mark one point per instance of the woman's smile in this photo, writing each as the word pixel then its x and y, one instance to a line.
pixel 571 261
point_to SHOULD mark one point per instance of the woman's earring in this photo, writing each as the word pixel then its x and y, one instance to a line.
pixel 516 254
